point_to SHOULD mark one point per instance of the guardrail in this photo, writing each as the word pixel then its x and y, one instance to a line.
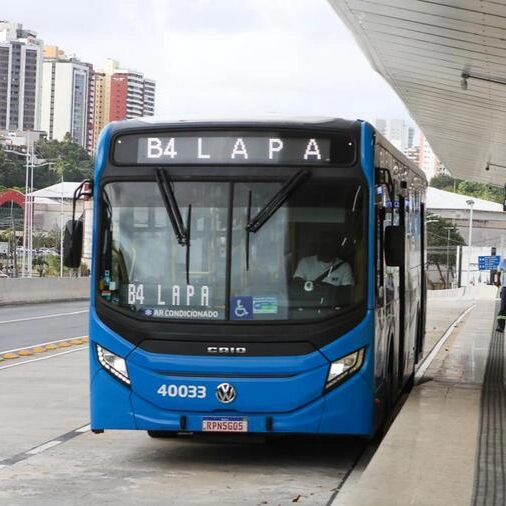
pixel 467 292
pixel 34 290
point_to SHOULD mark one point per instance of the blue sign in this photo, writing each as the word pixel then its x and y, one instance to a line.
pixel 488 263
pixel 241 308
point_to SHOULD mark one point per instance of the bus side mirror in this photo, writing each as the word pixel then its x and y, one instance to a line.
pixel 394 245
pixel 73 243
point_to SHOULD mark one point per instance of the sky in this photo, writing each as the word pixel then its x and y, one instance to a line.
pixel 222 57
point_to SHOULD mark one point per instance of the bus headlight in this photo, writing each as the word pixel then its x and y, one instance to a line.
pixel 113 364
pixel 344 367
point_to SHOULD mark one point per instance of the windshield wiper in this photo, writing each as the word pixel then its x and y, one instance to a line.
pixel 276 201
pixel 188 232
pixel 248 218
pixel 181 232
pixel 170 202
pixel 107 246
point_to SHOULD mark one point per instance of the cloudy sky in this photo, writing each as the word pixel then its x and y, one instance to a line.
pixel 222 57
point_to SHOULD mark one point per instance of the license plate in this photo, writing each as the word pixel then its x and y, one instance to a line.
pixel 225 424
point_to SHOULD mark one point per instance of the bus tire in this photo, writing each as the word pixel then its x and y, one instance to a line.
pixel 410 383
pixel 388 399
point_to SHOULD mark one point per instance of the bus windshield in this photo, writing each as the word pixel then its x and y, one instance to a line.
pixel 201 256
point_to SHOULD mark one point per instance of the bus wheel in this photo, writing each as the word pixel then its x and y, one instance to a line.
pixel 157 434
pixel 410 383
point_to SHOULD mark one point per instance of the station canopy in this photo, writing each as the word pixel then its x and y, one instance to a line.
pixel 447 62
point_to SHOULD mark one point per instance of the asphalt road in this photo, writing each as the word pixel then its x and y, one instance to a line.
pixel 48 456
pixel 33 324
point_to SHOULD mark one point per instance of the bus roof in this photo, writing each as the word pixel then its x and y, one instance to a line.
pixel 246 121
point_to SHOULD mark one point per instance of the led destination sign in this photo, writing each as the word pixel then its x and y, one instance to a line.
pixel 205 148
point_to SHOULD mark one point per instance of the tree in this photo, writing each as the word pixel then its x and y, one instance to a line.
pixel 12 171
pixel 481 191
pixel 444 182
pixel 54 237
pixel 71 161
pixel 469 188
pixel 41 266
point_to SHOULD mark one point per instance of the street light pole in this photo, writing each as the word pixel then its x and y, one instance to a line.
pixel 448 229
pixel 61 229
pixel 470 203
pixel 27 259
pixel 27 214
pixel 30 220
pixel 28 204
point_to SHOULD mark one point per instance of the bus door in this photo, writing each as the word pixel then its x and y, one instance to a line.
pixel 387 294
pixel 391 300
pixel 399 220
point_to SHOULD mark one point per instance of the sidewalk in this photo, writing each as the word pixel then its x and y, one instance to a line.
pixel 428 456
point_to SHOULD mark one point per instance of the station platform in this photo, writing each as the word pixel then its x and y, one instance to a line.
pixel 447 446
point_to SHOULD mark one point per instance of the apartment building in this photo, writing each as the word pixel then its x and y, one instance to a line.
pixel 65 96
pixel 397 131
pixel 44 90
pixel 120 94
pixel 429 162
pixel 20 78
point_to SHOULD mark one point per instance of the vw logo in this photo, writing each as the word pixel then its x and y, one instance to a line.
pixel 225 393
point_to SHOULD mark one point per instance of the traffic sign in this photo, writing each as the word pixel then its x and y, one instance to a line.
pixel 488 263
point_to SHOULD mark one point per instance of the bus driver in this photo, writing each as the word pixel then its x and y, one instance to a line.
pixel 326 266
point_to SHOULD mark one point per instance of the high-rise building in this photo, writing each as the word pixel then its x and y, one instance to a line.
pixel 131 95
pixel 99 107
pixel 149 97
pixel 397 131
pixel 65 97
pixel 411 138
pixel 429 163
pixel 119 94
pixel 20 78
pixel 413 154
pixel 402 136
pixel 381 125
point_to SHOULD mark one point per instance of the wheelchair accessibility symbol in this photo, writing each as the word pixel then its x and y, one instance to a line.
pixel 241 308
pixel 240 311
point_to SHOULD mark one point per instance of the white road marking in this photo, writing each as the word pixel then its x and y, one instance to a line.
pixel 43 316
pixel 44 447
pixel 9 461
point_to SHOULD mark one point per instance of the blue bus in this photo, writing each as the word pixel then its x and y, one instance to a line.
pixel 261 277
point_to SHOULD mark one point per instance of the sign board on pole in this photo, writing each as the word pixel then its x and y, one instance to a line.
pixel 488 263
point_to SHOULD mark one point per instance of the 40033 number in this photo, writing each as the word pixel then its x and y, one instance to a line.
pixel 183 391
